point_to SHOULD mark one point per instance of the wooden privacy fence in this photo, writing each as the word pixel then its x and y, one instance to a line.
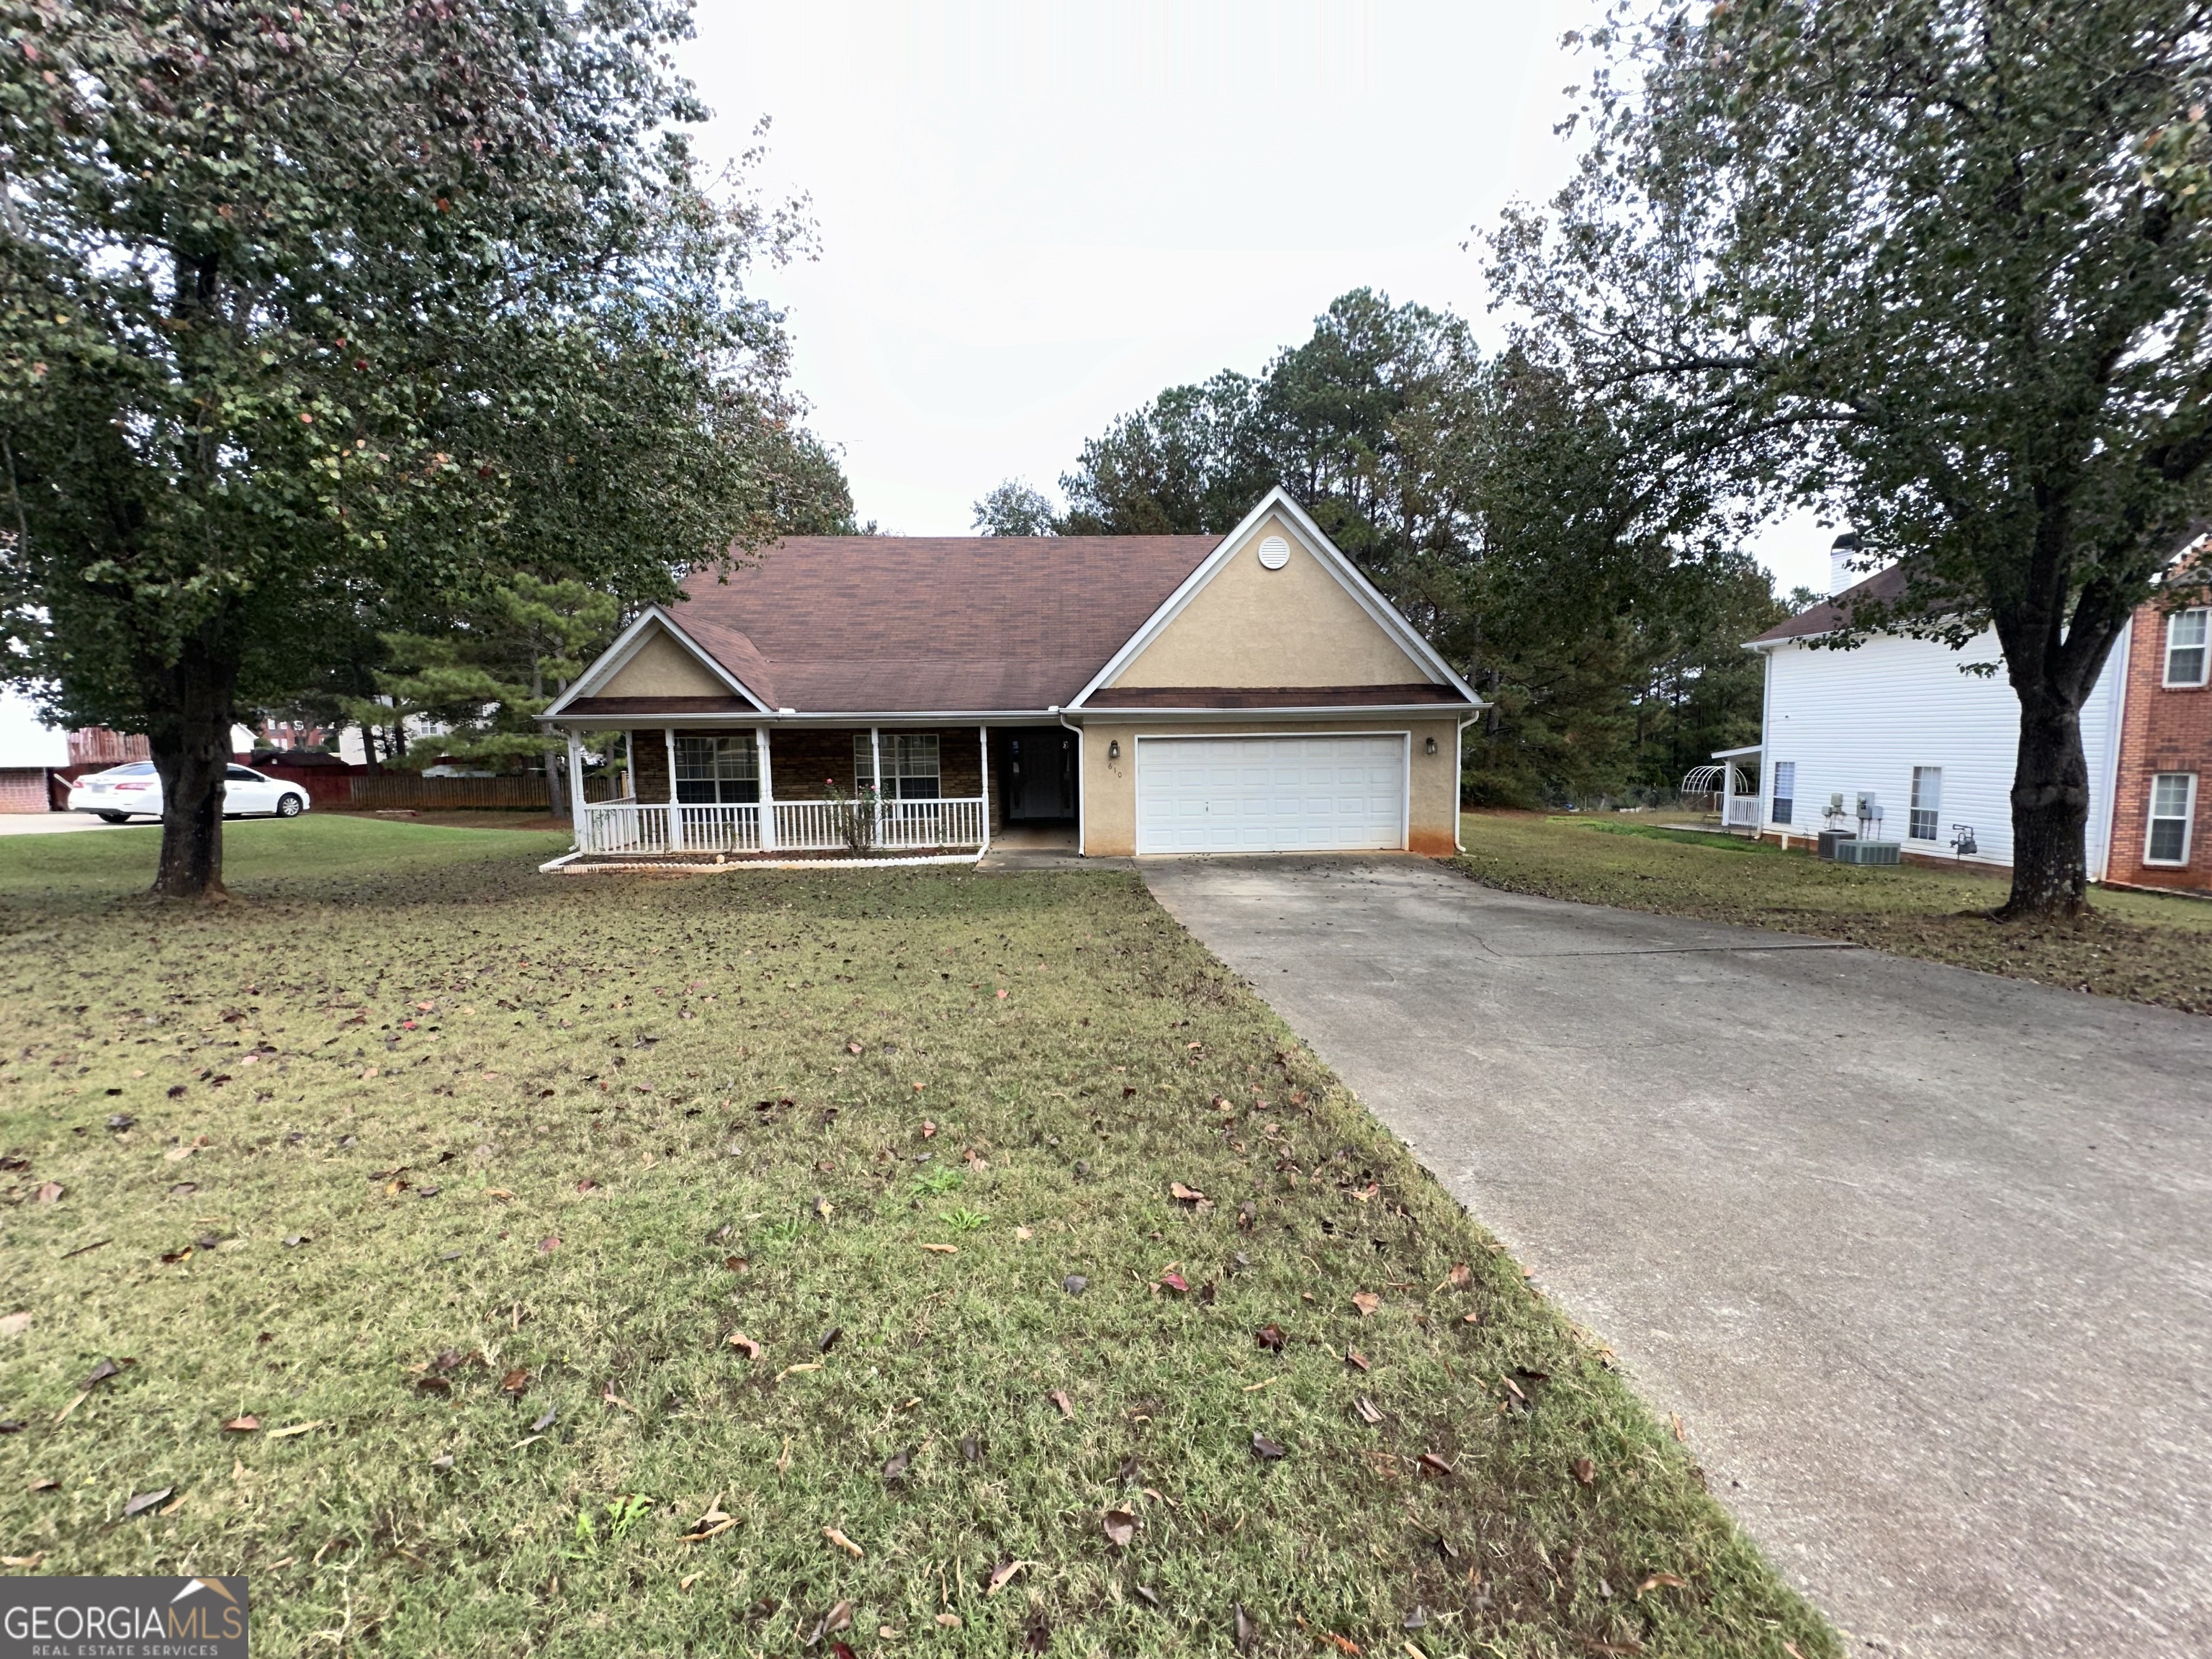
pixel 391 791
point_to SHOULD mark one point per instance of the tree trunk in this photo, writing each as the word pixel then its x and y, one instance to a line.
pixel 556 787
pixel 2050 810
pixel 190 739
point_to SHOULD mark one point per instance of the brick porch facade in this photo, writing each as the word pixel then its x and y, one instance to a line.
pixel 2164 729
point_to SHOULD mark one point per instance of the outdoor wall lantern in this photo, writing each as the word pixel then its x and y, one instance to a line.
pixel 1432 746
pixel 1114 750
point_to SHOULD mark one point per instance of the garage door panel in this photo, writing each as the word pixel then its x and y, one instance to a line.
pixel 1262 794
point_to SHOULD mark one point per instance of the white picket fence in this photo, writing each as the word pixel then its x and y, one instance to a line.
pixel 630 828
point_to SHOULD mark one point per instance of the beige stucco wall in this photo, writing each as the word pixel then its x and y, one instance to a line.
pixel 1253 626
pixel 1109 789
pixel 662 668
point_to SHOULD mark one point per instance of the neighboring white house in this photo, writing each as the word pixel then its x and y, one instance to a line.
pixel 1896 717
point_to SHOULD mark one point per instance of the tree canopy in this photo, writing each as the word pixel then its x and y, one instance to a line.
pixel 320 320
pixel 1938 264
pixel 1536 537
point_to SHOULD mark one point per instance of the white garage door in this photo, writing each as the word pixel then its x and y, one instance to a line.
pixel 1270 794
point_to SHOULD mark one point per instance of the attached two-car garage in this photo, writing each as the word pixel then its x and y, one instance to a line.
pixel 1271 795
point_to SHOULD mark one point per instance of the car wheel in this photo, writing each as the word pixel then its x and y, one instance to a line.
pixel 114 818
pixel 289 806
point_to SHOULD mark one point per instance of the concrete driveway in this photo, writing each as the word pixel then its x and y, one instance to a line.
pixel 1922 1257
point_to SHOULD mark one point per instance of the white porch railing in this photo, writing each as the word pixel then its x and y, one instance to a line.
pixel 1743 812
pixel 633 828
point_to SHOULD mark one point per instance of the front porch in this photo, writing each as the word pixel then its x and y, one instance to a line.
pixel 772 792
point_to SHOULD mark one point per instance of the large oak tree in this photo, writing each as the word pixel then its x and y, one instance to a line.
pixel 1941 264
pixel 323 317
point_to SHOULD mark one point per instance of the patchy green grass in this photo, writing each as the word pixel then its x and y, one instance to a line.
pixel 2144 947
pixel 466 1184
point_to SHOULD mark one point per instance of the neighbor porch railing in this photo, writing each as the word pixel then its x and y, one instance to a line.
pixel 651 829
pixel 1743 812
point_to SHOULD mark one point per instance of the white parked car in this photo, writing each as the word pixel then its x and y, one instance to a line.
pixel 134 790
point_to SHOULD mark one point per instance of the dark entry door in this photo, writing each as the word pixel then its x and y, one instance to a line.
pixel 1040 774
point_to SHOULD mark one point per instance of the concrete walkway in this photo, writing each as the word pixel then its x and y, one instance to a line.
pixel 1922 1257
pixel 61 823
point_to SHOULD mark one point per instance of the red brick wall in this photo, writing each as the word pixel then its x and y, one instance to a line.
pixel 2162 729
pixel 802 757
pixel 23 789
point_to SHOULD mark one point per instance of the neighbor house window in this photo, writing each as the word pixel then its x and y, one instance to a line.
pixel 717 771
pixel 2185 646
pixel 909 760
pixel 1927 802
pixel 2172 809
pixel 1785 790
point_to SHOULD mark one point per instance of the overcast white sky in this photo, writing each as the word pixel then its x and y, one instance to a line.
pixel 1034 218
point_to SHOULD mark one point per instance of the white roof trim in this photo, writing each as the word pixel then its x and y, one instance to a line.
pixel 1325 554
pixel 627 644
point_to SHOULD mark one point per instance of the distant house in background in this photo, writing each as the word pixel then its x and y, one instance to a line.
pixel 1894 723
pixel 2166 754
pixel 30 752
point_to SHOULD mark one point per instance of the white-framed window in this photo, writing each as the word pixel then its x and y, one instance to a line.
pixel 1785 791
pixel 910 764
pixel 718 770
pixel 2186 643
pixel 2173 817
pixel 1927 804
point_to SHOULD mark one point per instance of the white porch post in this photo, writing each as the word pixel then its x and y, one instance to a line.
pixel 766 793
pixel 630 764
pixel 876 771
pixel 576 784
pixel 675 818
pixel 1728 796
pixel 983 753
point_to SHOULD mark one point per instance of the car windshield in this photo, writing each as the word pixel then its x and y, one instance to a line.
pixel 135 769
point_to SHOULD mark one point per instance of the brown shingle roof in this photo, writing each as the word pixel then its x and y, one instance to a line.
pixel 827 624
pixel 1826 617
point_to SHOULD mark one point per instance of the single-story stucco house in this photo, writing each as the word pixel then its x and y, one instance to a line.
pixel 1250 692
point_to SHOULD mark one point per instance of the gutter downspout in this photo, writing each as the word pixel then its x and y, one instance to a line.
pixel 1459 772
pixel 1082 795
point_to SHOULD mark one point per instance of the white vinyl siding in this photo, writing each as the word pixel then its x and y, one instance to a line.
pixel 1864 719
pixel 1259 795
pixel 2186 644
pixel 1926 824
pixel 2173 817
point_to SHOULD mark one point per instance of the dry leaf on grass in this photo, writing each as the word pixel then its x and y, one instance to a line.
pixel 1368 1413
pixel 1270 1337
pixel 1059 1397
pixel 1432 1464
pixel 948 1621
pixel 1585 1472
pixel 1367 1302
pixel 1174 1281
pixel 1265 1450
pixel 1458 1276
pixel 147 1500
pixel 1184 1194
pixel 14 1324
pixel 50 1192
pixel 1666 1580
pixel 1246 1632
pixel 1121 1527
pixel 297 1428
pixel 739 1340
pixel 895 1466
pixel 246 1424
pixel 844 1543
pixel 999 1574
pixel 942 1249
pixel 515 1382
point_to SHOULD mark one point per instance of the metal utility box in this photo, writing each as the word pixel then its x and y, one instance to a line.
pixel 1829 839
pixel 1854 851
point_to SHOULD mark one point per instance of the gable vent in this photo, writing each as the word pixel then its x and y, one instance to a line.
pixel 1275 553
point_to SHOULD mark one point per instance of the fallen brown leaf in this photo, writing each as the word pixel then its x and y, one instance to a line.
pixel 1121 1527
pixel 147 1500
pixel 1585 1471
pixel 739 1340
pixel 895 1466
pixel 1000 1574
pixel 1174 1281
pixel 1658 1580
pixel 1265 1450
pixel 1243 1626
pixel 1367 1302
pixel 515 1382
pixel 1458 1276
pixel 1433 1464
pixel 948 1621
pixel 1368 1411
pixel 844 1543
pixel 1269 1336
pixel 1059 1397
pixel 246 1424
pixel 50 1192
pixel 1182 1194
pixel 1353 1357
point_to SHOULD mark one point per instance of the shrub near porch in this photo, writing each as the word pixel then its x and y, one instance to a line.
pixel 507 1175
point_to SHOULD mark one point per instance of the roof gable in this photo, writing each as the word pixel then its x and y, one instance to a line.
pixel 1302 615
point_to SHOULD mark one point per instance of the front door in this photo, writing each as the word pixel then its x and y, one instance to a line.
pixel 1040 774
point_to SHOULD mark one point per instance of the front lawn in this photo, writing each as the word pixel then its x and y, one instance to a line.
pixel 2146 947
pixel 917 1262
